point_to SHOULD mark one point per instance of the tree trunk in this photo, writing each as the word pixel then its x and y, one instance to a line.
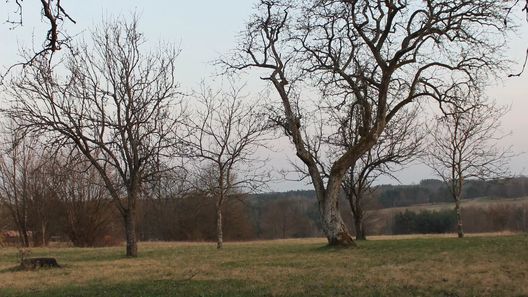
pixel 219 233
pixel 458 210
pixel 357 211
pixel 333 226
pixel 23 235
pixel 360 229
pixel 130 232
pixel 43 227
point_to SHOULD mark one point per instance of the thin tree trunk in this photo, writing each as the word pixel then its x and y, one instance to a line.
pixel 357 211
pixel 130 232
pixel 219 233
pixel 43 227
pixel 360 229
pixel 23 235
pixel 333 226
pixel 22 228
pixel 458 211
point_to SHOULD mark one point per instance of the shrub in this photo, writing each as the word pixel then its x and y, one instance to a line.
pixel 425 221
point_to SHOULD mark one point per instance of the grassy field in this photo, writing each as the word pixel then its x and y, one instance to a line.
pixel 475 266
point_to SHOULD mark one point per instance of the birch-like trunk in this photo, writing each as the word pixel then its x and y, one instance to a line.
pixel 458 211
pixel 219 233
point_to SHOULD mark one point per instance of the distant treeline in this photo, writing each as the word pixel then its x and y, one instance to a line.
pixel 274 215
pixel 435 191
pixel 429 191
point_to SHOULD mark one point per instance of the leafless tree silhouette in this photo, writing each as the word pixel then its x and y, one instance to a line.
pixel 225 133
pixel 377 55
pixel 113 102
pixel 465 144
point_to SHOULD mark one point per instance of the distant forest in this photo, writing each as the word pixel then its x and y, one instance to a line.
pixel 292 214
pixel 428 191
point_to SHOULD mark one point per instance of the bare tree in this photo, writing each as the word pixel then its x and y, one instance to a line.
pixel 464 144
pixel 43 197
pixel 83 198
pixel 373 56
pixel 225 133
pixel 18 160
pixel 113 102
pixel 399 144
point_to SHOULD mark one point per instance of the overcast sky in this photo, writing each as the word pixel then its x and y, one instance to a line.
pixel 206 29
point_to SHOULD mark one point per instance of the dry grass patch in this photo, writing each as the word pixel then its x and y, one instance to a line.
pixel 479 266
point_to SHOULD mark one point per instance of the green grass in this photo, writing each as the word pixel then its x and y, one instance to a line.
pixel 477 266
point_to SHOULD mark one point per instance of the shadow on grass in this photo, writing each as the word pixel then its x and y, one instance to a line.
pixel 334 249
pixel 158 288
pixel 211 288
pixel 20 268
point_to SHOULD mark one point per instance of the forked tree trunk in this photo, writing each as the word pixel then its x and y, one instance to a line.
pixel 458 211
pixel 333 226
pixel 130 232
pixel 219 233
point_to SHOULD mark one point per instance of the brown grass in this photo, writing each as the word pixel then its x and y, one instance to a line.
pixel 421 265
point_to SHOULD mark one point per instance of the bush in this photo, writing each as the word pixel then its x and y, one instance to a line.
pixel 425 221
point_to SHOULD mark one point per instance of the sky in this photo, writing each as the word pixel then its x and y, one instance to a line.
pixel 204 30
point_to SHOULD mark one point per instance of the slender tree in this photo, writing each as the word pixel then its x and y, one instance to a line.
pixel 225 133
pixel 113 101
pixel 373 56
pixel 17 161
pixel 464 144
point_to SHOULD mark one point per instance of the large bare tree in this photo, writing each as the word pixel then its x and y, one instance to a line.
pixel 225 132
pixel 373 56
pixel 465 143
pixel 114 101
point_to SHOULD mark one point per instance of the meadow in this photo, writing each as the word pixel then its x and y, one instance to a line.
pixel 423 266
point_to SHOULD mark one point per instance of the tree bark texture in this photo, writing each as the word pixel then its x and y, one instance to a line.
pixel 333 226
pixel 219 233
pixel 458 210
pixel 130 232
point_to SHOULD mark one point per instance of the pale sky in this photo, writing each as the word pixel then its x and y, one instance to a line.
pixel 206 29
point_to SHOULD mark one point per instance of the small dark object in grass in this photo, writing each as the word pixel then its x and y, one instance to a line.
pixel 35 263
